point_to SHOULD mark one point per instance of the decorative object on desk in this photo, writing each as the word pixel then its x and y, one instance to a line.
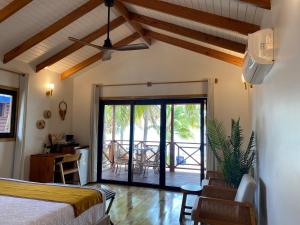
pixel 63 107
pixel 69 138
pixel 47 114
pixel 40 124
pixel 46 150
pixel 234 161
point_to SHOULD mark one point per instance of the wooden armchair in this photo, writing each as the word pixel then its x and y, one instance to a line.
pixel 223 212
pixel 219 192
pixel 214 175
pixel 226 206
pixel 216 178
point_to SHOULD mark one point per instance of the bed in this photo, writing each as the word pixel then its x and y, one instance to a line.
pixel 25 211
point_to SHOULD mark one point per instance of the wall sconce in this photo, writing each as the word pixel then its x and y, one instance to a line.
pixel 50 88
pixel 244 82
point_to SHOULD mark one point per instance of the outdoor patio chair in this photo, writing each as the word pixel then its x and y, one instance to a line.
pixel 120 160
pixel 152 162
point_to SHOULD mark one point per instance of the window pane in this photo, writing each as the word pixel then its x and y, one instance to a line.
pixel 183 156
pixel 116 137
pixel 5 113
pixel 146 152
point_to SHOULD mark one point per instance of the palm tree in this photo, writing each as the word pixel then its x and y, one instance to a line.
pixel 116 120
pixel 182 120
pixel 186 118
pixel 147 117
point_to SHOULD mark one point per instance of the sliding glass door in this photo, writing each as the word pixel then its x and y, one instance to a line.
pixel 146 150
pixel 115 146
pixel 183 145
pixel 157 142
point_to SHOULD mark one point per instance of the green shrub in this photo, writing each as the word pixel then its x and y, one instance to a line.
pixel 234 161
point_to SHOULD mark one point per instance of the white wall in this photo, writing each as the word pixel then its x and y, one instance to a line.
pixel 276 120
pixel 162 63
pixel 37 103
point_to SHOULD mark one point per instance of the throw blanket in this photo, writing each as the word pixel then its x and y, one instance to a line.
pixel 81 199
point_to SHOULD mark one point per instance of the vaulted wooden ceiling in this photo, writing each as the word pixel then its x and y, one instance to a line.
pixel 31 32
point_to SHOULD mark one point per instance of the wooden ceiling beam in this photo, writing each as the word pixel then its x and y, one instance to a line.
pixel 197 35
pixel 197 15
pixel 197 48
pixel 76 46
pixel 52 29
pixel 70 72
pixel 122 10
pixel 12 8
pixel 266 4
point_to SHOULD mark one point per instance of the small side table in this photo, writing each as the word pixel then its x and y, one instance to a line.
pixel 188 189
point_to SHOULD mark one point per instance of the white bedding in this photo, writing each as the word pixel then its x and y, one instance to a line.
pixel 20 211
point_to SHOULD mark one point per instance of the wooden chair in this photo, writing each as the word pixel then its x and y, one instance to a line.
pixel 214 175
pixel 69 164
pixel 226 206
pixel 120 159
pixel 153 162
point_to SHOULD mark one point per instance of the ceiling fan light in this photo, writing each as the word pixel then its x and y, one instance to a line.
pixel 106 55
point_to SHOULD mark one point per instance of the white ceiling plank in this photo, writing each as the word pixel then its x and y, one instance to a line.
pixel 4 3
pixel 59 40
pixel 86 52
pixel 32 19
pixel 39 14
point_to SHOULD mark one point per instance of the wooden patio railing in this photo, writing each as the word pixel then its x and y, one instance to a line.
pixel 179 155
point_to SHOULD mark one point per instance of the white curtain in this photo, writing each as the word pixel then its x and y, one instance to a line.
pixel 18 166
pixel 96 93
pixel 211 159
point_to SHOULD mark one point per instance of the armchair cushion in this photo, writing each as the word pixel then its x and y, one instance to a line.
pixel 246 189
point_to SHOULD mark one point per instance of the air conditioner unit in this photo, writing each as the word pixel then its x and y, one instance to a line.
pixel 259 58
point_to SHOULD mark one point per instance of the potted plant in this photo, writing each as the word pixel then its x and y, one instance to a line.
pixel 228 150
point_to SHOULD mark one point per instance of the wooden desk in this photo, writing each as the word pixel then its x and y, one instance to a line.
pixel 42 167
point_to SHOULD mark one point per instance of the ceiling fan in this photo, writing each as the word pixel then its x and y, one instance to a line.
pixel 108 48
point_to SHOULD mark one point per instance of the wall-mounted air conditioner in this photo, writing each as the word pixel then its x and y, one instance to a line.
pixel 259 58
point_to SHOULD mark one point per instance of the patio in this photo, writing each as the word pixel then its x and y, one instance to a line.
pixel 173 179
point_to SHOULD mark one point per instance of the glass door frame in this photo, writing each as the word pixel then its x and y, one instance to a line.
pixel 163 104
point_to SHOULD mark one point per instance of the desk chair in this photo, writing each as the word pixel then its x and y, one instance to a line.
pixel 69 164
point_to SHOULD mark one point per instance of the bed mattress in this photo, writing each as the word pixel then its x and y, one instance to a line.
pixel 21 211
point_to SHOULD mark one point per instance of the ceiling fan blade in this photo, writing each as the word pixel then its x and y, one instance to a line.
pixel 131 47
pixel 106 55
pixel 85 43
